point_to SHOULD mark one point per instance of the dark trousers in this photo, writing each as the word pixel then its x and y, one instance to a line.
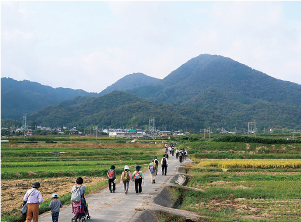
pixel 138 186
pixel 23 217
pixel 55 216
pixel 126 186
pixel 164 169
pixel 180 159
pixel 111 181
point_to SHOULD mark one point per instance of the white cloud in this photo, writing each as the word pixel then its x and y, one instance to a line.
pixel 154 38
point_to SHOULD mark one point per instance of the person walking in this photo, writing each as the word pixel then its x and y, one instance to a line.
pixel 82 188
pixel 34 198
pixel 111 178
pixel 138 177
pixel 164 165
pixel 181 156
pixel 152 169
pixel 177 153
pixel 55 206
pixel 157 164
pixel 126 177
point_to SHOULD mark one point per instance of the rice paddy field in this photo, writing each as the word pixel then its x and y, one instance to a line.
pixel 242 189
pixel 56 166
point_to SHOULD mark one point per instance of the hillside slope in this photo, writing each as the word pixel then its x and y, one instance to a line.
pixel 24 97
pixel 121 109
pixel 239 82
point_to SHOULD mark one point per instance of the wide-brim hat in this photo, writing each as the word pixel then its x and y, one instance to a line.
pixel 126 167
pixel 36 185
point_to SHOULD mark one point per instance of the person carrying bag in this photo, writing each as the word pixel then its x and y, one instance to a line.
pixel 33 198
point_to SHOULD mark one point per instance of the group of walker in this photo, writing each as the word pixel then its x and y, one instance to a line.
pixel 33 197
pixel 126 177
pixel 137 176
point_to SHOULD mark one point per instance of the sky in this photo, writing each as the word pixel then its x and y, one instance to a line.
pixel 90 45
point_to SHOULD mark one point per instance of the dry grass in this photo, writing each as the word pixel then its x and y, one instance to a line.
pixel 258 209
pixel 13 191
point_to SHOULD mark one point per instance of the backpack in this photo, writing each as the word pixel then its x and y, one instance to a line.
pixel 180 154
pixel 126 176
pixel 137 175
pixel 75 195
pixel 156 161
pixel 111 174
pixel 164 162
pixel 152 168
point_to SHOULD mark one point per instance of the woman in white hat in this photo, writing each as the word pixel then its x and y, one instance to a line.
pixel 126 177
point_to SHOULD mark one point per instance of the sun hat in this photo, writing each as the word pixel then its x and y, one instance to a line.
pixel 126 167
pixel 36 185
pixel 55 195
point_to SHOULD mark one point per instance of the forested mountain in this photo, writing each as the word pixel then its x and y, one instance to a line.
pixel 121 109
pixel 208 90
pixel 21 97
pixel 130 81
pixel 239 82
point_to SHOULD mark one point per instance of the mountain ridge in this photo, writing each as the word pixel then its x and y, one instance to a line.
pixel 228 92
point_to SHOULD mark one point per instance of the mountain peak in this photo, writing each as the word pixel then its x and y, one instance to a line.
pixel 130 81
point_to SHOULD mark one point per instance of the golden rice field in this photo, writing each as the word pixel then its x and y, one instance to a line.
pixel 256 164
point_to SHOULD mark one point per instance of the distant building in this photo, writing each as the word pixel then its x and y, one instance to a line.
pixel 164 133
pixel 126 133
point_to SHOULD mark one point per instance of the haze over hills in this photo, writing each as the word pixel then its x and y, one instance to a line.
pixel 224 92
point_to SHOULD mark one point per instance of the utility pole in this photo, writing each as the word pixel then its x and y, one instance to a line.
pixel 209 132
pixel 294 134
pixel 96 131
pixel 252 125
pixel 152 126
pixel 24 124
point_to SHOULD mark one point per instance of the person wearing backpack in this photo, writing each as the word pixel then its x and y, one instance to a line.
pixel 126 177
pixel 181 156
pixel 78 192
pixel 157 164
pixel 138 177
pixel 166 155
pixel 152 169
pixel 111 178
pixel 164 165
pixel 33 198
